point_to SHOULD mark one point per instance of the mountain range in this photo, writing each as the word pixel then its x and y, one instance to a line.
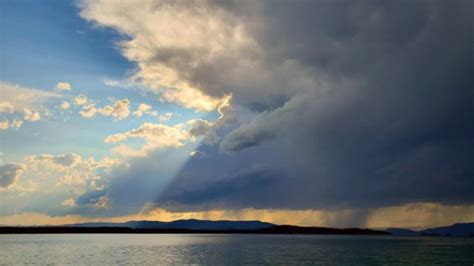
pixel 224 226
pixel 459 229
pixel 191 224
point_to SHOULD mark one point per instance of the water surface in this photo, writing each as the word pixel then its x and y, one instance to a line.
pixel 153 249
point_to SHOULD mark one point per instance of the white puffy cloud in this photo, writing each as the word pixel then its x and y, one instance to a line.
pixel 155 135
pixel 165 117
pixel 74 170
pixel 63 161
pixel 56 161
pixel 28 115
pixel 70 202
pixel 142 109
pixel 127 151
pixel 63 86
pixel 6 107
pixel 4 124
pixel 15 123
pixel 125 83
pixel 190 98
pixel 21 100
pixel 10 173
pixel 80 99
pixel 64 105
pixel 119 110
pixel 31 116
pixel 89 111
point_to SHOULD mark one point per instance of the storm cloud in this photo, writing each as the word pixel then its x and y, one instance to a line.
pixel 390 121
pixel 342 104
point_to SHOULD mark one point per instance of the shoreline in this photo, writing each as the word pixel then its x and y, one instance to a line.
pixel 283 230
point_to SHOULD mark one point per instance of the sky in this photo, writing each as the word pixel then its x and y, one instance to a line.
pixel 316 113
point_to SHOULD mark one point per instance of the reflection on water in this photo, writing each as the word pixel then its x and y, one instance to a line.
pixel 232 249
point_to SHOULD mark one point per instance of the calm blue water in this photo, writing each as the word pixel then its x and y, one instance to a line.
pixel 93 249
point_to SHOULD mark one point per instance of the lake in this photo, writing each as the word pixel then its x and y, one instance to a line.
pixel 154 249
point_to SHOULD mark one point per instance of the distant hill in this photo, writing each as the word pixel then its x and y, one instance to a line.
pixel 191 224
pixel 461 229
pixel 231 227
pixel 402 232
pixel 187 226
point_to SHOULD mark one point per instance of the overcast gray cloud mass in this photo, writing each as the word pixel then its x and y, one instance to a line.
pixel 352 104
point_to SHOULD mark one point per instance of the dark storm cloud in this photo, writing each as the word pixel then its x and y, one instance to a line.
pixel 343 104
pixel 90 197
pixel 226 189
pixel 379 110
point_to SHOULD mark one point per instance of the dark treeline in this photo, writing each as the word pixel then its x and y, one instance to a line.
pixel 282 229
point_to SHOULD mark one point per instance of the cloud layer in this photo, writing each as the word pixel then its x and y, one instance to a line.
pixel 119 110
pixel 369 106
